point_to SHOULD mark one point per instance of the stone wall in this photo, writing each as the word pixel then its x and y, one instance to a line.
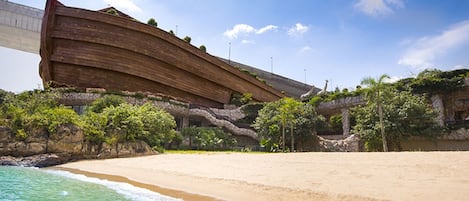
pixel 349 144
pixel 231 114
pixel 457 140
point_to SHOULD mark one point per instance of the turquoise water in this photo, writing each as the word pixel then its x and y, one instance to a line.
pixel 20 183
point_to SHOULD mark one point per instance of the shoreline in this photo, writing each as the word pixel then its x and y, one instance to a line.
pixel 293 176
pixel 155 188
pixel 192 196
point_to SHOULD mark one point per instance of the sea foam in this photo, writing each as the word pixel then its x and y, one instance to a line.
pixel 127 190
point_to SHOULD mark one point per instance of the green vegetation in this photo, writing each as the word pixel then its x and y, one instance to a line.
pixel 109 100
pixel 108 119
pixel 112 11
pixel 251 111
pixel 187 39
pixel 404 115
pixel 374 94
pixel 203 48
pixel 240 99
pixel 434 81
pixel 32 110
pixel 152 22
pixel 286 120
pixel 125 122
pixel 208 138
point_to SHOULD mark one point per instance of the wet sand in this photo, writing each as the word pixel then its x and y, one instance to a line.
pixel 293 176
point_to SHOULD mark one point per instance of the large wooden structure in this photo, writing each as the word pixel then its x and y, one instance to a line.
pixel 93 49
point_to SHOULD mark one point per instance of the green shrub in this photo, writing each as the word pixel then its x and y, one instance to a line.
pixel 52 118
pixel 209 138
pixel 108 100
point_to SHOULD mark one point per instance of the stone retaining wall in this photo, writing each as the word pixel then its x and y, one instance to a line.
pixel 457 140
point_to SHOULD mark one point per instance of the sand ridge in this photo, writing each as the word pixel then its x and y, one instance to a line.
pixel 299 176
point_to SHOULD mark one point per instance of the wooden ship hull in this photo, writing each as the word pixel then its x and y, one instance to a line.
pixel 92 49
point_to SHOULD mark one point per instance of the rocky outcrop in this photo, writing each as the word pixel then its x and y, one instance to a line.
pixel 41 149
pixel 41 160
pixel 349 144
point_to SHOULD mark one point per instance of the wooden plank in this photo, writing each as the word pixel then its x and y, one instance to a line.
pixel 100 43
pixel 87 77
pixel 142 28
pixel 74 52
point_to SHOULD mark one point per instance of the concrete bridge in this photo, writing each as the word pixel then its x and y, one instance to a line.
pixel 20 26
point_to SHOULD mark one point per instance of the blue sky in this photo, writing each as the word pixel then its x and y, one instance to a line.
pixel 343 41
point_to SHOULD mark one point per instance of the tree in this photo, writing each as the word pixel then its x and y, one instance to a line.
pixel 406 115
pixel 187 39
pixel 374 95
pixel 208 138
pixel 274 118
pixel 109 100
pixel 287 116
pixel 152 22
pixel 111 120
pixel 35 109
pixel 203 48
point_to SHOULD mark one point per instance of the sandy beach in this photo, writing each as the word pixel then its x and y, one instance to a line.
pixel 292 176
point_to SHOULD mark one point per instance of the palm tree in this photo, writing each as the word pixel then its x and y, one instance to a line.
pixel 374 94
pixel 288 110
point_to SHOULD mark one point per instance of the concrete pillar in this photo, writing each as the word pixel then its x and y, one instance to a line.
pixel 437 104
pixel 185 122
pixel 345 121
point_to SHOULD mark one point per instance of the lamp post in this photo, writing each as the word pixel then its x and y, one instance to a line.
pixel 305 76
pixel 272 65
pixel 229 53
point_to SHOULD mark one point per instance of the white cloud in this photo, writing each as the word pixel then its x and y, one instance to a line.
pixel 306 49
pixel 422 52
pixel 248 42
pixel 298 30
pixel 127 5
pixel 266 28
pixel 246 29
pixel 378 7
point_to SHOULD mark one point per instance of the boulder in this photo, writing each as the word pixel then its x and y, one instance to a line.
pixel 41 160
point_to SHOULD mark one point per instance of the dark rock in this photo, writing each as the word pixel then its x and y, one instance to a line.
pixel 8 161
pixel 42 160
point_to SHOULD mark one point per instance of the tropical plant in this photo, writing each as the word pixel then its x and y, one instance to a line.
pixel 374 95
pixel 35 109
pixel 208 138
pixel 275 117
pixel 405 115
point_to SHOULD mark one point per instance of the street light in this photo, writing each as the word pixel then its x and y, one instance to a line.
pixel 305 76
pixel 272 65
pixel 229 53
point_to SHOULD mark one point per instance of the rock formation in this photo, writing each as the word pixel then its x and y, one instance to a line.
pixel 41 149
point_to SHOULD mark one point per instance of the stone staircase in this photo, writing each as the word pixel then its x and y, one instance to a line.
pixel 222 122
